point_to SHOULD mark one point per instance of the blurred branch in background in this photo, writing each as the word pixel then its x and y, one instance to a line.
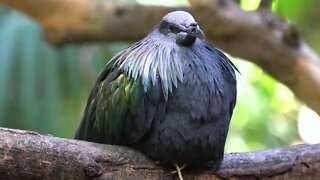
pixel 74 21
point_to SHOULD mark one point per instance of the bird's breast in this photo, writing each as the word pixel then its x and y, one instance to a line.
pixel 201 92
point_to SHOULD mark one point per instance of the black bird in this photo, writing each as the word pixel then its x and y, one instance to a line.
pixel 171 95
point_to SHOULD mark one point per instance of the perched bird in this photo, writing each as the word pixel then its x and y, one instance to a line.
pixel 171 95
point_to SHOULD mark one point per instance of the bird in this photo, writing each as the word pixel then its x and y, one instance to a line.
pixel 170 95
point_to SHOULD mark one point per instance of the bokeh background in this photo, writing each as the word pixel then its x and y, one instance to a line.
pixel 45 88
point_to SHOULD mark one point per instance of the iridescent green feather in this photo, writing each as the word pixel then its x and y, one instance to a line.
pixel 124 100
pixel 116 112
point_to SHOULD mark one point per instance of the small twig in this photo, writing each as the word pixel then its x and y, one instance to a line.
pixel 265 4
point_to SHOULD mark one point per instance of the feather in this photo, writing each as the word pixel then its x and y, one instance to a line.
pixel 163 68
pixel 145 75
pixel 154 67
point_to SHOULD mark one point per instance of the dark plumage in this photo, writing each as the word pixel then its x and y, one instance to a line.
pixel 170 95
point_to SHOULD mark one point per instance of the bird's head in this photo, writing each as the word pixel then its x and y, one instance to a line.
pixel 160 56
pixel 181 28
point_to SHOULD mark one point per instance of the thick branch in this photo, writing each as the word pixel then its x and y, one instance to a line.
pixel 32 156
pixel 69 21
pixel 259 36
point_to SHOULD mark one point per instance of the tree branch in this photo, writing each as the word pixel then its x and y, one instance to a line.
pixel 75 21
pixel 259 36
pixel 31 155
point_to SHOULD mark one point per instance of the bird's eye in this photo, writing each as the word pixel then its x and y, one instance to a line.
pixel 170 28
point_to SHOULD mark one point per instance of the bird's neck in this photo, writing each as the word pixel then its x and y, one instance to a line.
pixel 152 62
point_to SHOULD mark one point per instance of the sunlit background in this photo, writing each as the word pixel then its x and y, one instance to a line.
pixel 44 88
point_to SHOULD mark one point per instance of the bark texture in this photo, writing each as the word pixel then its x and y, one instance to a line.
pixel 273 44
pixel 29 155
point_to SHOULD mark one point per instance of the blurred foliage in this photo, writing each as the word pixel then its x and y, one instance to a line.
pixel 44 88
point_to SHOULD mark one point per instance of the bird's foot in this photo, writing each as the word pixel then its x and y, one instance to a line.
pixel 157 162
pixel 178 170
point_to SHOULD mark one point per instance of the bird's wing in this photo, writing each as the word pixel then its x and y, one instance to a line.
pixel 118 110
pixel 229 74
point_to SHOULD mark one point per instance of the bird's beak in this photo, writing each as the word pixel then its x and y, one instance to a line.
pixel 195 31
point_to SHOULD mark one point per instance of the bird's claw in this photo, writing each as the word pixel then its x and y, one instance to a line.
pixel 178 170
pixel 157 162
